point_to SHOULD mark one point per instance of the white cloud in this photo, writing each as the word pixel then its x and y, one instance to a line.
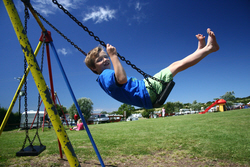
pixel 100 14
pixel 70 4
pixel 138 6
pixel 63 51
pixel 98 110
pixel 46 7
pixel 138 13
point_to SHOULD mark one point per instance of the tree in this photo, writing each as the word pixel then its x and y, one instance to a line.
pixel 169 107
pixel 229 97
pixel 178 105
pixel 126 107
pixel 186 105
pixel 60 108
pixel 196 106
pixel 86 106
pixel 113 112
pixel 104 112
pixel 207 104
pixel 13 120
pixel 147 112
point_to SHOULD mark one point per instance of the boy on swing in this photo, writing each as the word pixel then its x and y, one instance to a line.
pixel 131 91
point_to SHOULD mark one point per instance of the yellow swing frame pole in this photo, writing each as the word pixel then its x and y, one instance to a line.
pixel 17 92
pixel 40 83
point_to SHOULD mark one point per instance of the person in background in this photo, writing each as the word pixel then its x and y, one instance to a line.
pixel 163 112
pixel 79 126
pixel 75 118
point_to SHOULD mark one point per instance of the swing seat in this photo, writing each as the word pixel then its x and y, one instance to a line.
pixel 164 95
pixel 29 151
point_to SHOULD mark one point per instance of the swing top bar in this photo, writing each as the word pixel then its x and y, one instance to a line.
pixel 47 36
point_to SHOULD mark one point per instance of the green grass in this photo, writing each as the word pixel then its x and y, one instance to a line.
pixel 224 136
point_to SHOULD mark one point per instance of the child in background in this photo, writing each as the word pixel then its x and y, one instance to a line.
pixel 163 112
pixel 79 126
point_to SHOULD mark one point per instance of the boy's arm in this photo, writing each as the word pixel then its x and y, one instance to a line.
pixel 120 73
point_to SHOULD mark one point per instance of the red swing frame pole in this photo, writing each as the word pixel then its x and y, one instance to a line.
pixel 35 115
pixel 44 114
pixel 47 37
pixel 61 109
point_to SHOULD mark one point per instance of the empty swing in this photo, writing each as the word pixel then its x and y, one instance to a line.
pixel 30 150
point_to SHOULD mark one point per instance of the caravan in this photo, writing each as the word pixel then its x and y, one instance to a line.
pixel 31 115
pixel 184 111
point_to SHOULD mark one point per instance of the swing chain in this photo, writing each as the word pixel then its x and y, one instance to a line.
pixel 145 75
pixel 25 85
pixel 27 16
pixel 59 32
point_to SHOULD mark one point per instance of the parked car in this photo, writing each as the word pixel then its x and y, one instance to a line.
pixel 131 118
pixel 97 119
pixel 92 119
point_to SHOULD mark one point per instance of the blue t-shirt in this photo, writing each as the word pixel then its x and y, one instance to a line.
pixel 133 92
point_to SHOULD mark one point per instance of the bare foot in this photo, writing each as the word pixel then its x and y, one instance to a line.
pixel 201 41
pixel 212 44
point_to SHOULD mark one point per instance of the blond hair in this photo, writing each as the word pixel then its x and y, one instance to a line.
pixel 91 56
pixel 79 121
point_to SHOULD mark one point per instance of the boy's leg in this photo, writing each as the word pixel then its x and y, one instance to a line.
pixel 201 41
pixel 166 74
pixel 201 52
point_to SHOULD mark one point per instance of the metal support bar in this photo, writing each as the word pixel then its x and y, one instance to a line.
pixel 17 92
pixel 76 104
pixel 52 89
pixel 40 83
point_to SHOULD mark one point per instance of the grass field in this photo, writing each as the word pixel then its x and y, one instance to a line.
pixel 222 137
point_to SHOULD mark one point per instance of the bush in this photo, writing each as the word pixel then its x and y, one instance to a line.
pixel 147 112
pixel 13 120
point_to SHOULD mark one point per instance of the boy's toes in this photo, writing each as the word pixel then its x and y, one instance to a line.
pixel 208 30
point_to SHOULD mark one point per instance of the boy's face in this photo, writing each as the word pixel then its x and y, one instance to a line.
pixel 102 62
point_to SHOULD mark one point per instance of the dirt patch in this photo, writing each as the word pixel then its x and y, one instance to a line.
pixel 159 159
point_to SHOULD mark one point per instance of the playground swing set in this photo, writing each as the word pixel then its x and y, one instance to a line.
pixel 48 97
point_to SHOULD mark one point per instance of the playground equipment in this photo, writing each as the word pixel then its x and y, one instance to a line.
pixel 44 114
pixel 41 85
pixel 160 97
pixel 40 82
pixel 220 102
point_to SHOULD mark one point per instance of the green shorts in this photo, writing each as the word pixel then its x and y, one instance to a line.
pixel 164 75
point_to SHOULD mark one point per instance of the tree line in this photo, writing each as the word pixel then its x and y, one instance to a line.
pixel 86 106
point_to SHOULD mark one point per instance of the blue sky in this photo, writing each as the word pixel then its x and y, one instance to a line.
pixel 151 34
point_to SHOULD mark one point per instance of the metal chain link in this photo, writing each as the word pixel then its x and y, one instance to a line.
pixel 145 75
pixel 39 97
pixel 59 32
pixel 25 84
pixel 27 16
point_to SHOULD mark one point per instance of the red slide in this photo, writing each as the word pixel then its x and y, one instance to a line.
pixel 216 102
